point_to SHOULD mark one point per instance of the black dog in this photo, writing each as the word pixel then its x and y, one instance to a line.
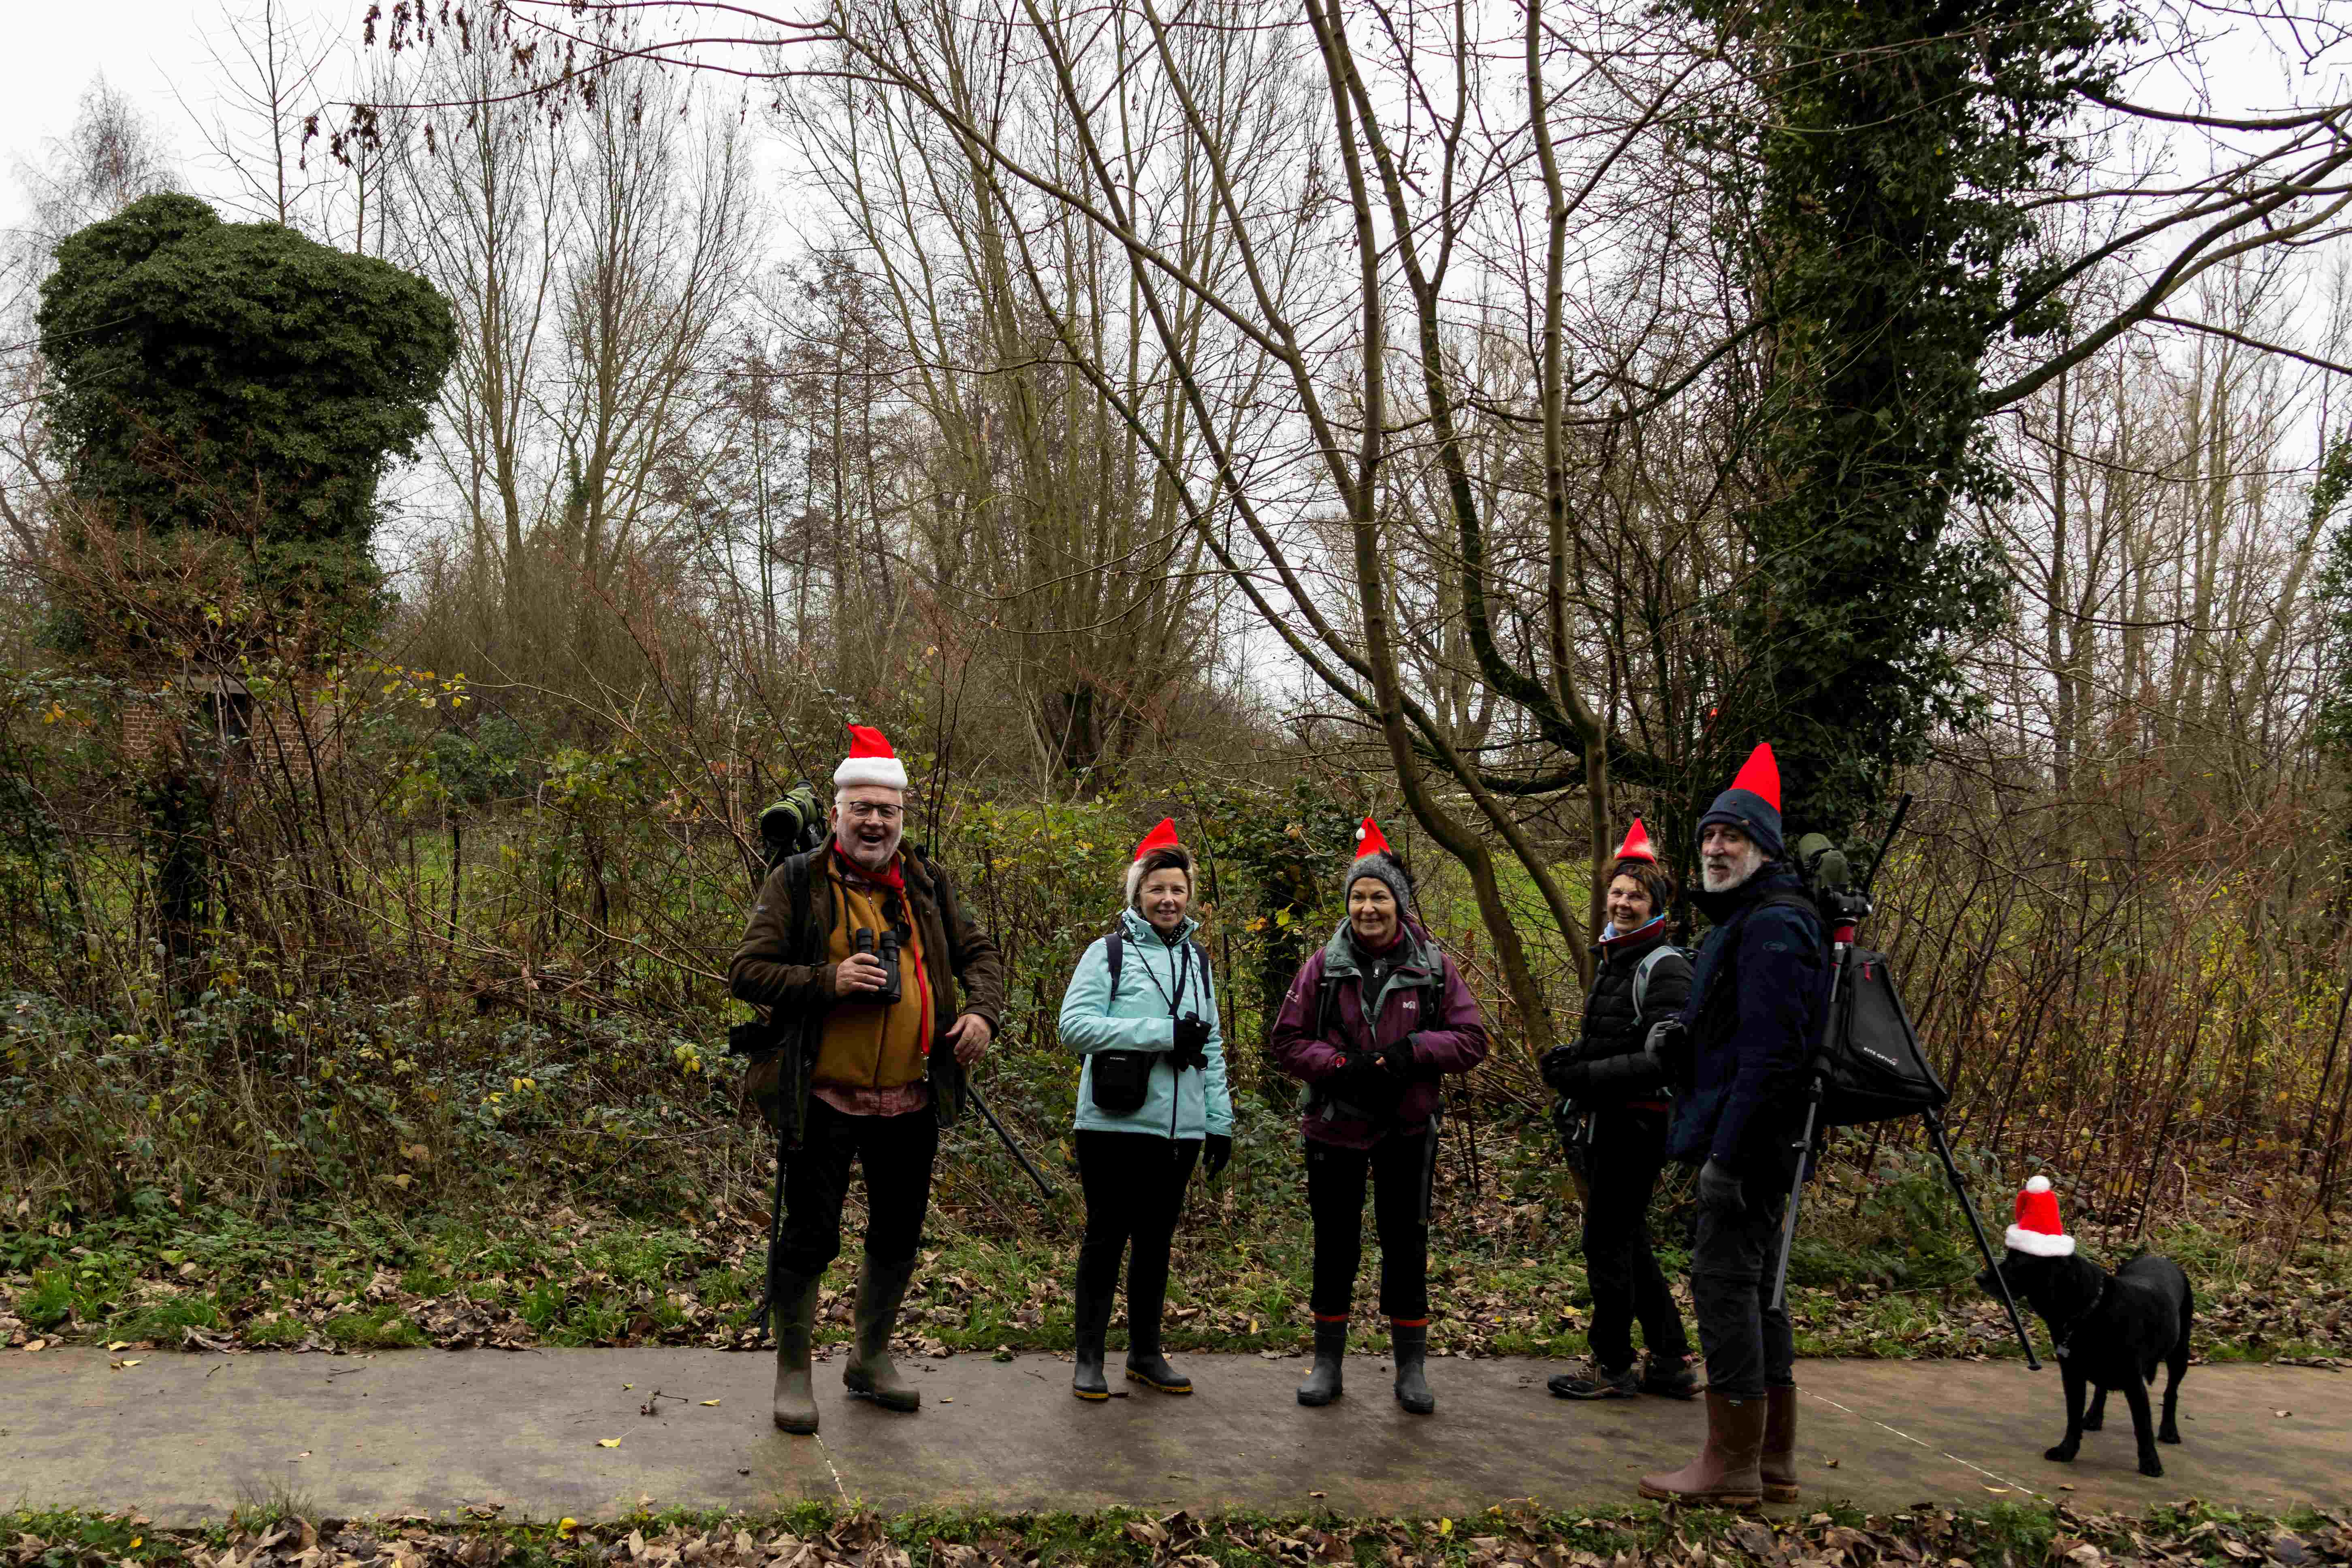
pixel 2110 1331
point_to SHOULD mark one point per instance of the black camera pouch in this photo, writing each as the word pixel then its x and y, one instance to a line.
pixel 1121 1080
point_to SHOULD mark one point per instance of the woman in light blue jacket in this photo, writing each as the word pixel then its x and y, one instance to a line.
pixel 1143 1012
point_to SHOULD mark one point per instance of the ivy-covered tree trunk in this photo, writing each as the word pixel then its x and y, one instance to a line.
pixel 1886 255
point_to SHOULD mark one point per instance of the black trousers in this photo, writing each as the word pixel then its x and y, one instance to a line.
pixel 1335 1197
pixel 1628 1149
pixel 1135 1191
pixel 897 1152
pixel 1748 1346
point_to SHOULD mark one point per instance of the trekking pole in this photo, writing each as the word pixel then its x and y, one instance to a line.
pixel 1011 1148
pixel 1852 909
pixel 1984 1243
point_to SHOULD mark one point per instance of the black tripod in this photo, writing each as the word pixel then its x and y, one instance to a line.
pixel 1846 908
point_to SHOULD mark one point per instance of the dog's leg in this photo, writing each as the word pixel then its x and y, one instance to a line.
pixel 2065 1451
pixel 2176 1363
pixel 2143 1428
pixel 2095 1419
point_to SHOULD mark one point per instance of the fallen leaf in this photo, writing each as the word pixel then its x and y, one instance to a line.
pixel 710 1402
pixel 1996 1488
pixel 565 1526
pixel 135 1541
pixel 36 1344
pixel 118 1345
pixel 1445 1527
pixel 608 1442
pixel 2283 1414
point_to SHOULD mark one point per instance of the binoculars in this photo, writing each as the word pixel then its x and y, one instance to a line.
pixel 886 948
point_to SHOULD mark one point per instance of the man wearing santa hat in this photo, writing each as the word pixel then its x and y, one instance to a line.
pixel 855 948
pixel 1757 993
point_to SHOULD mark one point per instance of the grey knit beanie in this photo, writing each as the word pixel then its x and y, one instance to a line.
pixel 1384 869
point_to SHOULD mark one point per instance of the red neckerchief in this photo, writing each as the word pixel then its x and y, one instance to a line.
pixel 889 877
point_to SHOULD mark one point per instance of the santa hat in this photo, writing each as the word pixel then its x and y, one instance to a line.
pixel 1752 804
pixel 1161 837
pixel 2037 1230
pixel 1637 845
pixel 870 762
pixel 1375 859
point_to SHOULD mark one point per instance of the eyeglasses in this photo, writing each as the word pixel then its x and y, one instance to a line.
pixel 874 811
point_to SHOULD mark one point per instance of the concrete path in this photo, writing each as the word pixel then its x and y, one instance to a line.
pixel 185 1437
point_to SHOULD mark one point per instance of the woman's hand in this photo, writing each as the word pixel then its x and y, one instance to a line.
pixel 1216 1153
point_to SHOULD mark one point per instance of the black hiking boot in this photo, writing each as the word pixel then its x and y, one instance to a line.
pixel 1596 1382
pixel 1322 1384
pixel 1669 1377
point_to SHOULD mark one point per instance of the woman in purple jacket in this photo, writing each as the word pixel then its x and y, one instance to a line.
pixel 1372 1022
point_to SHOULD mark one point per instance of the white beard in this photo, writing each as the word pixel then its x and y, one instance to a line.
pixel 1750 861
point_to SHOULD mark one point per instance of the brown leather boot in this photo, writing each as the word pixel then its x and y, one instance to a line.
pixel 1725 1473
pixel 1778 1464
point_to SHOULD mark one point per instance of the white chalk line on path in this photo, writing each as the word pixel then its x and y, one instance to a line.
pixel 1964 1463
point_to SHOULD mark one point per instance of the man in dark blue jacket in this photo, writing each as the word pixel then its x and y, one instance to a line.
pixel 1753 1017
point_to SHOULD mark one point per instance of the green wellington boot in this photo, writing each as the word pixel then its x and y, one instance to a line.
pixel 871 1375
pixel 796 1319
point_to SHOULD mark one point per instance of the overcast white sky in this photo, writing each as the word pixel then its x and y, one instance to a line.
pixel 148 49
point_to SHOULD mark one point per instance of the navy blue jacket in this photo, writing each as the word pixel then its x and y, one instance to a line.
pixel 1754 1017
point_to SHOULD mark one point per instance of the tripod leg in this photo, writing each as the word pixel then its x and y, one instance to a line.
pixel 1796 1190
pixel 1012 1148
pixel 1984 1243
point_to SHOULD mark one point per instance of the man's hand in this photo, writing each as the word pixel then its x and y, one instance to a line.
pixel 1718 1191
pixel 1216 1153
pixel 969 1034
pixel 858 974
pixel 1397 1056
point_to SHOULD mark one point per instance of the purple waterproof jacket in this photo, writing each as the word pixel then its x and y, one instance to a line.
pixel 1423 997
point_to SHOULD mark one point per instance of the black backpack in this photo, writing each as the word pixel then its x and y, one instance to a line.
pixel 1872 1067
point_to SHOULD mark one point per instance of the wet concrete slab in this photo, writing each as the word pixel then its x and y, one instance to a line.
pixel 186 1437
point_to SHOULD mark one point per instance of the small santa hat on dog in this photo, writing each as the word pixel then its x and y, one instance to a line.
pixel 870 762
pixel 1161 837
pixel 2037 1230
pixel 1637 845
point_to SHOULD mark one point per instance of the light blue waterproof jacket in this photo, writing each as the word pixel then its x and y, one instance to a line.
pixel 1189 1104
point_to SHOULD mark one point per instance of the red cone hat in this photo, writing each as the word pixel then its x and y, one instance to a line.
pixel 1637 845
pixel 1161 837
pixel 1760 775
pixel 1370 840
pixel 870 762
pixel 2037 1230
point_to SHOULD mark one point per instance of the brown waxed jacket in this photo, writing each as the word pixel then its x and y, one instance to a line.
pixel 782 965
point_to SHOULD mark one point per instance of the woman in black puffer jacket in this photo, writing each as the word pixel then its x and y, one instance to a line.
pixel 1616 1112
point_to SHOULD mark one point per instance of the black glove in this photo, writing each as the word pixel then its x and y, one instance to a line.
pixel 1718 1191
pixel 1397 1057
pixel 1365 1084
pixel 1216 1153
pixel 1192 1044
pixel 1563 1072
pixel 1669 1043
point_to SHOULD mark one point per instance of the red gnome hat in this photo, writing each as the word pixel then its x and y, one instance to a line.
pixel 870 762
pixel 1637 845
pixel 1752 804
pixel 2037 1230
pixel 1369 840
pixel 1759 775
pixel 1161 837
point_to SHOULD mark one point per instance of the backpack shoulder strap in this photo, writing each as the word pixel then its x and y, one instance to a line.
pixel 1642 971
pixel 797 873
